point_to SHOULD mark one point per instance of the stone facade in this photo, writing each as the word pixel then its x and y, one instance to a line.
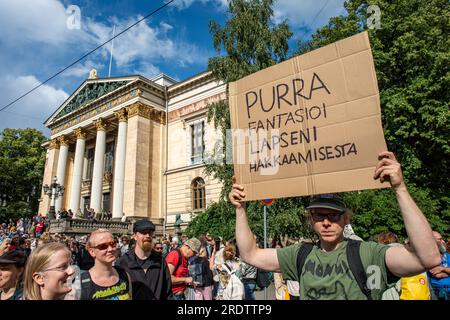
pixel 147 158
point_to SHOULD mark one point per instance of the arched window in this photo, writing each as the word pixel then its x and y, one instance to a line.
pixel 198 194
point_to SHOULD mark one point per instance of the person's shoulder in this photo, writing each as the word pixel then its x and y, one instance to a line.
pixel 172 255
pixel 126 258
pixel 373 246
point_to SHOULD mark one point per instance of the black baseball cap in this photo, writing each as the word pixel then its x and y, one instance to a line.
pixel 142 225
pixel 16 257
pixel 331 201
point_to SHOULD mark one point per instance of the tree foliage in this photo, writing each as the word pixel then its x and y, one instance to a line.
pixel 412 63
pixel 22 161
pixel 250 42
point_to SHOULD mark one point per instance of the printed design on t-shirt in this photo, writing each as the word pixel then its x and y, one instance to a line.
pixel 117 292
pixel 333 271
pixel 338 289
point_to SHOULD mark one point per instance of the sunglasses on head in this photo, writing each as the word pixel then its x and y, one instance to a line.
pixel 332 217
pixel 106 245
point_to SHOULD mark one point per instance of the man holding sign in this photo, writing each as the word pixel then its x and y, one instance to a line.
pixel 333 269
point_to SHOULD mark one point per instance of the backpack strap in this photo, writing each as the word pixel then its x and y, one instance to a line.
pixel 180 261
pixel 86 286
pixel 229 269
pixel 123 274
pixel 303 252
pixel 356 266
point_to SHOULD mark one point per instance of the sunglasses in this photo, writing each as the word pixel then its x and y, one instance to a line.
pixel 106 245
pixel 332 217
pixel 158 248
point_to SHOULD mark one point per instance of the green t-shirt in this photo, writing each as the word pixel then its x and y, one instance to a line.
pixel 327 276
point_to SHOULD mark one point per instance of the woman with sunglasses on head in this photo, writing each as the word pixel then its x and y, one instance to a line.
pixel 104 281
pixel 47 271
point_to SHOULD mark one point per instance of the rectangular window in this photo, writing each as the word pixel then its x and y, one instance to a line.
pixel 197 142
pixel 90 163
pixel 86 205
pixel 106 201
pixel 109 156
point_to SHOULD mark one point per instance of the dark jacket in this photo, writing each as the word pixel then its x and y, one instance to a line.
pixel 155 284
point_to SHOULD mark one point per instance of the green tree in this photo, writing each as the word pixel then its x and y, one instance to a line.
pixel 248 42
pixel 412 63
pixel 22 161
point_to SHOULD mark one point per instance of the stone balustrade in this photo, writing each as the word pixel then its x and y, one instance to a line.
pixel 85 226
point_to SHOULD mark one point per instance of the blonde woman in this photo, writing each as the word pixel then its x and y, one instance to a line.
pixel 47 271
pixel 104 281
pixel 231 265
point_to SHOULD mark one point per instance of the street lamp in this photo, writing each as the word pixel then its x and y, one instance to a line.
pixel 54 191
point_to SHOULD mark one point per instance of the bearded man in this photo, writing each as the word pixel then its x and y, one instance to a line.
pixel 149 272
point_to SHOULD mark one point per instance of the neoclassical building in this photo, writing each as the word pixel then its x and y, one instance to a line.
pixel 134 147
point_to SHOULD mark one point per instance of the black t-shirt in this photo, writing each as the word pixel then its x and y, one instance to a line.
pixel 118 291
pixel 144 264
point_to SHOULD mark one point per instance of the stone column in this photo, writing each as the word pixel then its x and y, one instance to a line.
pixel 99 165
pixel 49 173
pixel 77 171
pixel 138 162
pixel 61 169
pixel 119 167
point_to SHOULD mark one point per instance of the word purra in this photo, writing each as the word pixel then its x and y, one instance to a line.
pixel 288 92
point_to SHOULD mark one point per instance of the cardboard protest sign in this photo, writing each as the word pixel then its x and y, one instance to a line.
pixel 309 125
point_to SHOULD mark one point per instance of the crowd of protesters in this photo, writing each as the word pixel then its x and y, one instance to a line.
pixel 35 265
pixel 145 267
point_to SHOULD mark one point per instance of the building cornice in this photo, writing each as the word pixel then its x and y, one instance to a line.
pixel 134 89
pixel 189 84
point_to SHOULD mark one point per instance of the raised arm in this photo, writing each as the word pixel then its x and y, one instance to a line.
pixel 265 259
pixel 424 254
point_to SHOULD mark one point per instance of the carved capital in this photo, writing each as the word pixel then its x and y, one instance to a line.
pixel 158 116
pixel 63 141
pixel 100 124
pixel 80 133
pixel 162 117
pixel 54 144
pixel 139 109
pixel 121 115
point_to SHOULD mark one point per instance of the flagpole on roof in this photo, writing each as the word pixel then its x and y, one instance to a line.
pixel 111 53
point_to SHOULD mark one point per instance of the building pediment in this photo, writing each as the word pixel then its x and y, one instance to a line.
pixel 89 91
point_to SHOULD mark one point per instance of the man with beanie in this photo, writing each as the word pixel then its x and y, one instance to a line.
pixel 149 272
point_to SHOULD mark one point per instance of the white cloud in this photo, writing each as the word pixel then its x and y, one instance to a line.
pixel 310 14
pixel 82 69
pixel 144 43
pixel 32 110
pixel 147 70
pixel 37 21
pixel 184 4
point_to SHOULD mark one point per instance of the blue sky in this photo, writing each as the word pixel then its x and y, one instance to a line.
pixel 35 43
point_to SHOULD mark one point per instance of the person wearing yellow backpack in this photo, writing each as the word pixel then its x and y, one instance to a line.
pixel 415 287
pixel 407 288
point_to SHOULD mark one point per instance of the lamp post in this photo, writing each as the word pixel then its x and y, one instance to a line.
pixel 177 227
pixel 54 191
